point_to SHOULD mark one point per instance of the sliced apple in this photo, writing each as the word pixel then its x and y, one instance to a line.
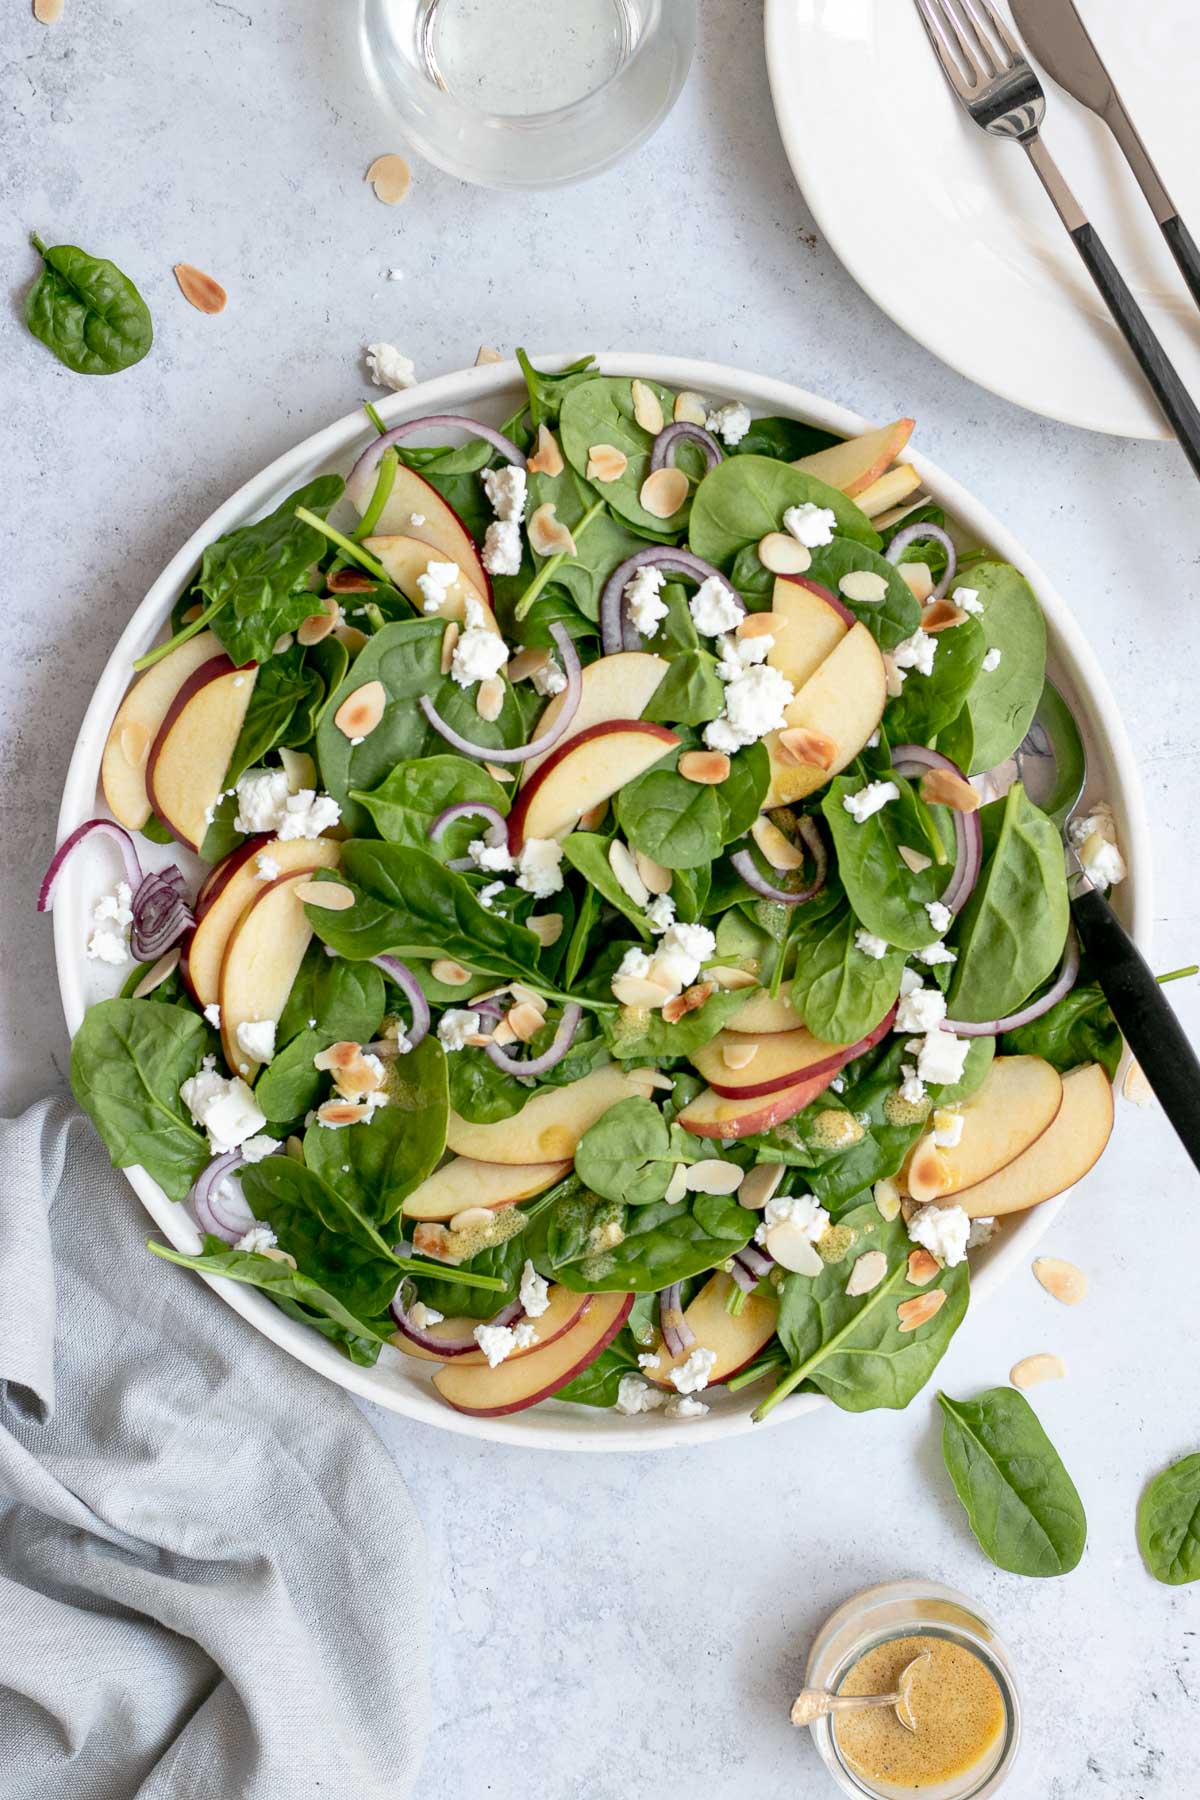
pixel 406 558
pixel 549 1126
pixel 413 499
pixel 522 1381
pixel 578 775
pixel 465 1182
pixel 893 487
pixel 764 1013
pixel 736 1338
pixel 843 702
pixel 1070 1145
pixel 620 686
pixel 858 462
pixel 262 961
pixel 565 1310
pixel 712 1115
pixel 783 1058
pixel 236 885
pixel 1019 1099
pixel 453 1330
pixel 188 759
pixel 811 623
pixel 138 722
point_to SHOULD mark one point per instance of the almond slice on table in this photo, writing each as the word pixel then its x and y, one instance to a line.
pixel 663 492
pixel 912 1314
pixel 327 896
pixel 647 408
pixel 1061 1279
pixel 782 554
pixel 708 768
pixel 547 458
pixel 1032 1369
pixel 361 711
pixel 606 463
pixel 391 178
pixel 199 289
pixel 47 12
pixel 485 355
pixel 548 536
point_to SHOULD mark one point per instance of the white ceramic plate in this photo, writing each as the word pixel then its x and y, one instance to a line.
pixel 949 231
pixel 398 1382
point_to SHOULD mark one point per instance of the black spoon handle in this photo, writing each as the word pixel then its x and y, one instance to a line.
pixel 1140 1008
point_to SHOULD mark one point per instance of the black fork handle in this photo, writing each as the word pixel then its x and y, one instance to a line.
pixel 1183 248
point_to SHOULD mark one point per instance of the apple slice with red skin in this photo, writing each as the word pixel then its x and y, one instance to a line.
pixel 239 887
pixel 405 558
pixel 413 498
pixel 466 1182
pixel 1070 1145
pixel 736 1338
pixel 858 462
pixel 712 1115
pixel 262 961
pixel 520 1382
pixel 812 622
pixel 564 1309
pixel 893 487
pixel 783 1059
pixel 1020 1098
pixel 550 1124
pixel 188 759
pixel 579 774
pixel 138 722
pixel 620 686
pixel 843 702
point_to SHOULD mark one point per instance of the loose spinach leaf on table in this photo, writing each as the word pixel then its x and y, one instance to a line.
pixel 889 620
pixel 631 1153
pixel 744 497
pixel 884 894
pixel 1022 1505
pixel 87 312
pixel 128 1059
pixel 1079 1028
pixel 1168 1523
pixel 1001 705
pixel 254 581
pixel 600 411
pixel 839 991
pixel 409 799
pixel 1012 930
pixel 375 1165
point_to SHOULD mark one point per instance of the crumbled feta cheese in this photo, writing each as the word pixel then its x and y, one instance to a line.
pixel 802 1212
pixel 479 653
pixel 257 1038
pixel 943 1057
pixel 548 680
pixel 691 1377
pixel 649 1359
pixel 685 1406
pixel 713 608
pixel 982 1232
pixel 389 367
pixel 922 1010
pixel 916 652
pixel 539 867
pixel 968 599
pixel 812 526
pixel 910 981
pixel 525 1334
pixel 643 608
pixel 395 274
pixel 637 1396
pixel 212 1013
pixel 634 962
pixel 660 913
pixel 534 1292
pixel 435 583
pixel 265 867
pixel 940 916
pixel 943 1231
pixel 991 661
pixel 307 814
pixel 493 859
pixel 731 421
pixel 501 549
pixel 737 654
pixel 264 804
pixel 225 1109
pixel 935 953
pixel 678 955
pixel 456 1026
pixel 421 1317
pixel 1094 839
pixel 912 1089
pixel 255 1149
pixel 496 1342
pixel 948 1128
pixel 112 916
pixel 487 895
pixel 755 703
pixel 870 799
pixel 505 488
pixel 870 945
pixel 256 1240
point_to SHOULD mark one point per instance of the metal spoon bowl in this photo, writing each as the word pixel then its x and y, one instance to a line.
pixel 817 1703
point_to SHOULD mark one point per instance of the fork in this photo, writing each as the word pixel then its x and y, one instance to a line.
pixel 992 77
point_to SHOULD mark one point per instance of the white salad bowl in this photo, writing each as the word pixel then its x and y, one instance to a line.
pixel 491 393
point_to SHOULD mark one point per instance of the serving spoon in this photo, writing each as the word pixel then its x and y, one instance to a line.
pixel 1052 763
pixel 817 1703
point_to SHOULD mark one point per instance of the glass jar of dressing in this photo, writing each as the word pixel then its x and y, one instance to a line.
pixel 964 1696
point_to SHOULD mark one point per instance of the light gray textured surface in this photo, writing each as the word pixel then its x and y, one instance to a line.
pixel 604 1628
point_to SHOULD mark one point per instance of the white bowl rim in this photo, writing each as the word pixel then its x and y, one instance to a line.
pixel 550 1426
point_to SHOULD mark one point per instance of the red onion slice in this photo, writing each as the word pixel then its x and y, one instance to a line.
pixel 564 1037
pixel 411 988
pixel 161 914
pixel 571 697
pixel 743 862
pixel 741 1275
pixel 1062 984
pixel 677 1334
pixel 914 534
pixel 361 480
pixel 616 633
pixel 755 1260
pixel 106 828
pixel 214 1213
pixel 667 443
pixel 425 1340
pixel 914 760
pixel 466 809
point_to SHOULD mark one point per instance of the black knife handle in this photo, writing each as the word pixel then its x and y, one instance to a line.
pixel 1183 248
pixel 1140 1008
pixel 1156 366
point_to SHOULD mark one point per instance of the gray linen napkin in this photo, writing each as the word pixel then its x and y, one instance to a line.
pixel 211 1578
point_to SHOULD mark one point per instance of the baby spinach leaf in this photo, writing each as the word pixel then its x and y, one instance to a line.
pixel 1003 703
pixel 601 542
pixel 448 1288
pixel 640 1037
pixel 661 1243
pixel 255 580
pixel 630 1154
pixel 1012 930
pixel 929 703
pixel 744 497
pixel 337 999
pixel 374 1165
pixel 587 852
pixel 280 686
pixel 787 440
pixel 410 798
pixel 889 620
pixel 883 892
pixel 480 1092
pixel 679 823
pixel 600 1382
pixel 1079 1028
pixel 690 693
pixel 454 474
pixel 1022 1505
pixel 128 1059
pixel 839 991
pixel 743 790
pixel 1168 1523
pixel 290 1086
pixel 329 1238
pixel 548 391
pixel 84 309
pixel 600 411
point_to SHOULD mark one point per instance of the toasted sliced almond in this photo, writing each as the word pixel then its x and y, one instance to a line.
pixel 525 1021
pixel 868 1271
pixel 157 974
pixel 343 1112
pixel 762 624
pixel 47 12
pixel 656 878
pixel 527 662
pixel 922 1267
pixel 199 289
pixel 503 1034
pixel 319 624
pixel 190 614
pixel 912 1314
pixel 760 1185
pixel 919 578
pixel 593 818
pixel 547 928
pixel 800 744
pixel 713 1175
pixel 689 408
pixel 606 463
pixel 294 1148
pixel 1135 1087
pixel 739 1056
pixel 677 1186
pixel 1032 1369
pixel 732 979
pixel 526 997
pixel 863 585
pixel 449 972
pixel 780 552
pixel 942 787
pixel 485 354
pixel 328 896
pixel 546 535
pixel 361 711
pixel 547 458
pixel 433 1240
pixel 690 1000
pixel 708 768
pixel 135 744
pixel 647 408
pixel 1061 1279
pixel 941 615
pixel 489 701
pixel 640 992
pixel 779 850
pixel 278 1255
pixel 337 1058
pixel 471 1218
pixel 793 1249
pixel 498 772
pixel 916 860
pixel 887 1198
pixel 350 581
pixel 351 637
pixel 624 866
pixel 449 639
pixel 663 492
pixel 391 178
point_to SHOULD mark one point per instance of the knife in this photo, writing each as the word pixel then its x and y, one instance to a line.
pixel 1061 42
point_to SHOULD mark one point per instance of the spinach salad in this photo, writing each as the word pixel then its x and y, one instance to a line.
pixel 606 981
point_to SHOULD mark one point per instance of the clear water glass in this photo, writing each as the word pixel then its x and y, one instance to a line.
pixel 527 93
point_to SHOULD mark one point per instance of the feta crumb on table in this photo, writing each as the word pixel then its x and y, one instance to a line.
pixel 389 367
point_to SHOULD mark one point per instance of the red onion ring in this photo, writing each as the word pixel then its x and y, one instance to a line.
pixel 677 1334
pixel 571 698
pixel 616 633
pixel 755 1260
pixel 468 809
pixel 360 481
pixel 914 534
pixel 740 1274
pixel 916 759
pixel 411 988
pixel 218 1222
pixel 161 914
pixel 1062 984
pixel 668 441
pixel 425 1340
pixel 564 1037
pixel 106 828
pixel 743 862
